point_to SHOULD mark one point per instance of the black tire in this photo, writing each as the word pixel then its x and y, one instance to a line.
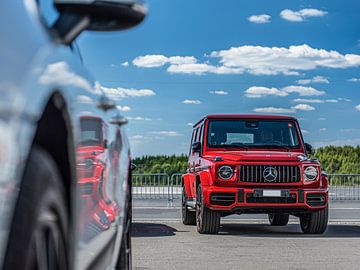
pixel 278 219
pixel 207 221
pixel 39 231
pixel 125 254
pixel 188 217
pixel 314 223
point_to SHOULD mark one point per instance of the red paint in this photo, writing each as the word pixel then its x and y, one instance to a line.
pixel 206 173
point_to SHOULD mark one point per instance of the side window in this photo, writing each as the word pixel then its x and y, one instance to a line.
pixel 192 141
pixel 201 133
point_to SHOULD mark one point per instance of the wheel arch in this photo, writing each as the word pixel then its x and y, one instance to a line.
pixel 54 133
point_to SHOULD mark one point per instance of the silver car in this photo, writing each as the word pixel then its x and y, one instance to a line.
pixel 65 200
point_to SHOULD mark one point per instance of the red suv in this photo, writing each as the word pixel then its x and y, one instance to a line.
pixel 253 164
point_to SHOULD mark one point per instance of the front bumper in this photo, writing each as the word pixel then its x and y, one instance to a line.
pixel 256 200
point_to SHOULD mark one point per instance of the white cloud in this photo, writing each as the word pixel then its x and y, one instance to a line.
pixel 139 118
pixel 85 99
pixel 125 64
pixel 331 100
pixel 192 101
pixel 123 108
pixel 303 90
pixel 323 129
pixel 190 124
pixel 303 107
pixel 304 100
pixel 304 131
pixel 260 91
pixel 137 137
pixel 316 79
pixel 345 99
pixel 59 73
pixel 167 133
pixel 157 60
pixel 218 92
pixel 299 107
pixel 322 119
pixel 354 80
pixel 262 18
pixel 354 141
pixel 260 60
pixel 257 60
pixel 357 107
pixel 120 93
pixel 273 110
pixel 301 15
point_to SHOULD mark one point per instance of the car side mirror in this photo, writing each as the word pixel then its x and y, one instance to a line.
pixel 309 149
pixel 196 147
pixel 105 144
pixel 96 15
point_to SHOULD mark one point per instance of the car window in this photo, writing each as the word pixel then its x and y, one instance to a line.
pixel 239 133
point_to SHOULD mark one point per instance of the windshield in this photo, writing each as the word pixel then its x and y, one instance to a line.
pixel 252 133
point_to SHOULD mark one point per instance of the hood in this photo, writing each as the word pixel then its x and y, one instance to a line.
pixel 255 155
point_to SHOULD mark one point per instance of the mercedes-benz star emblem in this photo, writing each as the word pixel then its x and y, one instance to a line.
pixel 270 174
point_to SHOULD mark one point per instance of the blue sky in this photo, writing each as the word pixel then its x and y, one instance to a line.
pixel 192 58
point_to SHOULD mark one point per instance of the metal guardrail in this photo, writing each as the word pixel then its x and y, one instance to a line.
pixel 344 186
pixel 163 186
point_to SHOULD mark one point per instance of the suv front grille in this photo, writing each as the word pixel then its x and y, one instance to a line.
pixel 255 174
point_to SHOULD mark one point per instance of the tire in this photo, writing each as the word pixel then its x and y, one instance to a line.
pixel 207 221
pixel 314 223
pixel 125 254
pixel 278 219
pixel 188 217
pixel 40 219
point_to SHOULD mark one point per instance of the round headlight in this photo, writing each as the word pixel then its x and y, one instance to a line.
pixel 225 172
pixel 310 173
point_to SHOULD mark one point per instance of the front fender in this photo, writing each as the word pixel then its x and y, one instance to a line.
pixel 324 181
pixel 206 178
pixel 188 182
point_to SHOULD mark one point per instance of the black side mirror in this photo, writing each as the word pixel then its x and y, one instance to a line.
pixel 105 144
pixel 96 15
pixel 309 149
pixel 196 147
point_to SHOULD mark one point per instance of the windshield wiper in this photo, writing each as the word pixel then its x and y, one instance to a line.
pixel 235 145
pixel 275 146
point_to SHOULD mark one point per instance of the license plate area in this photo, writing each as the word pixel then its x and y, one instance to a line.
pixel 278 193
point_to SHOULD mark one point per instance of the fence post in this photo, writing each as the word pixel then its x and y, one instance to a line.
pixel 168 191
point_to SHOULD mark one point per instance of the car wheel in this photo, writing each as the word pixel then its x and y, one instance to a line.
pixel 125 255
pixel 188 217
pixel 207 221
pixel 314 223
pixel 39 232
pixel 278 219
pixel 125 258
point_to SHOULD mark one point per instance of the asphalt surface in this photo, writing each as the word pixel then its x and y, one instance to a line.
pixel 161 241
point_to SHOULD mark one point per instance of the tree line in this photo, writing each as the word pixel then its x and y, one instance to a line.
pixel 334 159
